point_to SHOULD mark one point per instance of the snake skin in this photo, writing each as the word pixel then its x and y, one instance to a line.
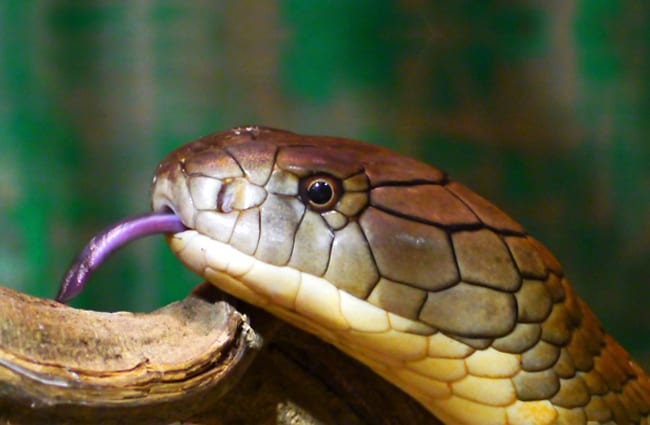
pixel 451 300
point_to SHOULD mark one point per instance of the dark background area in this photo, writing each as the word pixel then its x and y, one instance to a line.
pixel 541 106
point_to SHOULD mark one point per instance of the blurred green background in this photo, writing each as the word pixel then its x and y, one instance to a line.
pixel 541 106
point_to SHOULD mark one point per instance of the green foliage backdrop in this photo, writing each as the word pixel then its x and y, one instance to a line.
pixel 541 106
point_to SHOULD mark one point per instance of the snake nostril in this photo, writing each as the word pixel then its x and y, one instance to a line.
pixel 225 199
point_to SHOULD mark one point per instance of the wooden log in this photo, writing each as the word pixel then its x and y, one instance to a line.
pixel 196 360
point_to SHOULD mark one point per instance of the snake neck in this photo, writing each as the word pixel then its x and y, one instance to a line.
pixel 571 372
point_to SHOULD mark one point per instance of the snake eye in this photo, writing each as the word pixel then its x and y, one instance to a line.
pixel 320 192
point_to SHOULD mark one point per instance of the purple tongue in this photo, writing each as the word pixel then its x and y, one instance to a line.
pixel 109 240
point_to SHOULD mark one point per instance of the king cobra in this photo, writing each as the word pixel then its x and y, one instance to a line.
pixel 395 264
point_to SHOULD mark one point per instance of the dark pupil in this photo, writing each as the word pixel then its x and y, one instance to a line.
pixel 319 192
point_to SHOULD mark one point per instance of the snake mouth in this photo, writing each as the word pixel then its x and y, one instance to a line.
pixel 111 239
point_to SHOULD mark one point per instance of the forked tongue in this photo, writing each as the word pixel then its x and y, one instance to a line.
pixel 109 240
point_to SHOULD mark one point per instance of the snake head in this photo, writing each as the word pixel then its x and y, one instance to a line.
pixel 270 210
pixel 267 199
pixel 317 229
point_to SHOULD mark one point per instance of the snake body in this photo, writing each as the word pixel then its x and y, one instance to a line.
pixel 403 269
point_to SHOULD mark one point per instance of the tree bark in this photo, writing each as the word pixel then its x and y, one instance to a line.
pixel 194 361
